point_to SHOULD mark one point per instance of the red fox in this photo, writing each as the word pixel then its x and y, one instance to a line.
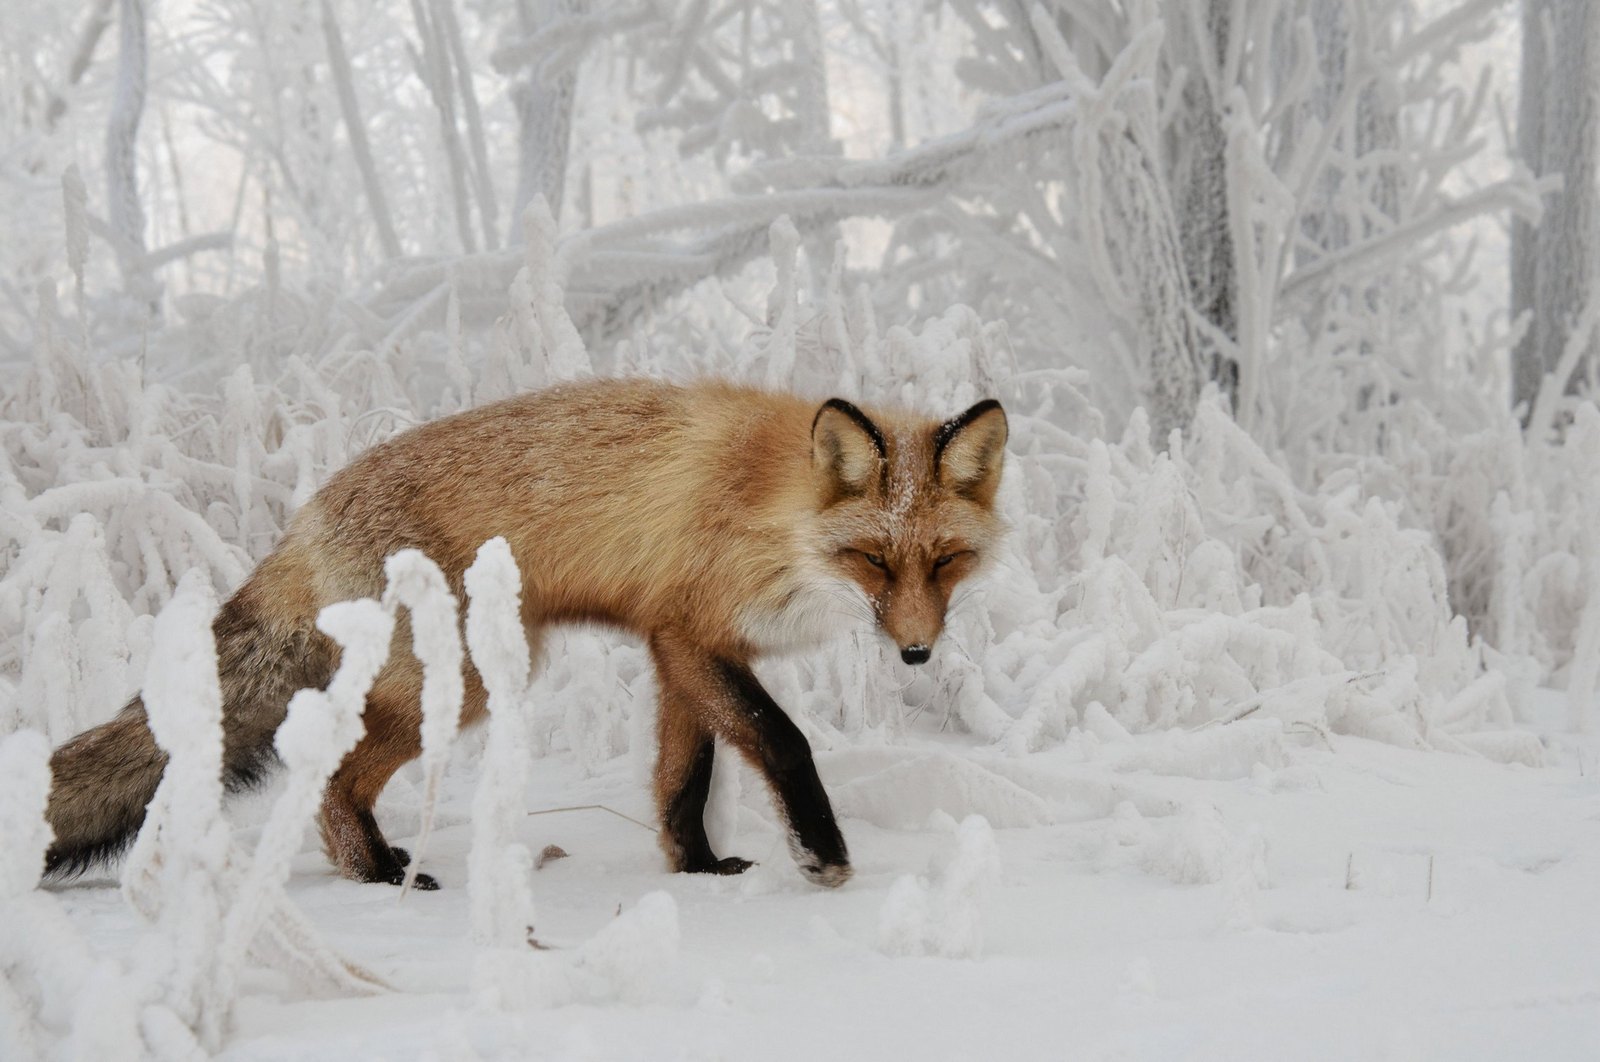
pixel 718 523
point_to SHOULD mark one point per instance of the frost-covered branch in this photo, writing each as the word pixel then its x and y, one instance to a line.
pixel 356 128
pixel 1515 196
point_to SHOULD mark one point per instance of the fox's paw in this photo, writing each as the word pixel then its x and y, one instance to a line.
pixel 828 875
pixel 424 882
pixel 395 873
pixel 726 866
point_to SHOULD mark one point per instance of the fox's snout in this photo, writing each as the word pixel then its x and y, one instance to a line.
pixel 912 617
pixel 915 654
pixel 913 622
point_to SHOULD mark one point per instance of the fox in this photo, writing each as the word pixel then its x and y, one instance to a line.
pixel 717 523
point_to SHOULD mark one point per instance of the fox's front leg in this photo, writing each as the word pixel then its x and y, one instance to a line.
pixel 771 741
pixel 725 697
pixel 683 782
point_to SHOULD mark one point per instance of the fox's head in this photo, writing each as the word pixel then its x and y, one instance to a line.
pixel 906 510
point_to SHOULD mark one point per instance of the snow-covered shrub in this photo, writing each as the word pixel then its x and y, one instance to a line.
pixel 1202 584
pixel 1176 582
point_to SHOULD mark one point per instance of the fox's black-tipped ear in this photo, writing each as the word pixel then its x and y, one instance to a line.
pixel 969 450
pixel 847 449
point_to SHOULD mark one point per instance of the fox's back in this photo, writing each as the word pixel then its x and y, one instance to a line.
pixel 619 498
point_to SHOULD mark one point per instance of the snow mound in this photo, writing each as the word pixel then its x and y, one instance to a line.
pixel 942 914
pixel 633 959
pixel 903 796
pixel 1234 751
pixel 1196 847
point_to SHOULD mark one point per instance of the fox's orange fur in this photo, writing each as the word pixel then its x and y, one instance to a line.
pixel 718 523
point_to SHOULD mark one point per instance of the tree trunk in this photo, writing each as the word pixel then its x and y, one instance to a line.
pixel 123 209
pixel 1558 132
pixel 544 119
pixel 1200 185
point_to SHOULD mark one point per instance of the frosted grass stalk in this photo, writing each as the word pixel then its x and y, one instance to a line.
pixel 177 873
pixel 500 866
pixel 417 584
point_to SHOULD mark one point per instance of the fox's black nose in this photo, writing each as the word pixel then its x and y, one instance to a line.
pixel 915 654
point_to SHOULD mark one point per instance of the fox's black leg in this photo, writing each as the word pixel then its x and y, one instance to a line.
pixel 771 740
pixel 685 819
pixel 683 782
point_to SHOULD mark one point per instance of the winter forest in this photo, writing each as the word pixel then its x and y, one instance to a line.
pixel 1271 732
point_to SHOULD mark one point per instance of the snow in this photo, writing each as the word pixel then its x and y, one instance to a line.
pixel 1243 889
pixel 1363 900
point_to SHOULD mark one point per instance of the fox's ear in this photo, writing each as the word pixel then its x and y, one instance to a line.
pixel 969 450
pixel 847 449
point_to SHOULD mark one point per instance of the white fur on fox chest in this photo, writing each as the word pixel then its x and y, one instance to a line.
pixel 812 609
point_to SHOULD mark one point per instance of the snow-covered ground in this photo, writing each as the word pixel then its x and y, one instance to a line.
pixel 1234 892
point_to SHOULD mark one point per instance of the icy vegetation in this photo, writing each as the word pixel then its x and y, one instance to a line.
pixel 1283 688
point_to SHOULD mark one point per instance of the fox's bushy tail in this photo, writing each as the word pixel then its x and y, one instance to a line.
pixel 100 782
pixel 103 779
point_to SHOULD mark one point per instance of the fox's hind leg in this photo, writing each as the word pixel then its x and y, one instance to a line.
pixel 350 834
pixel 683 782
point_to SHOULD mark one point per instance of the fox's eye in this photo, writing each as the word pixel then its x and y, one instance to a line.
pixel 946 559
pixel 875 560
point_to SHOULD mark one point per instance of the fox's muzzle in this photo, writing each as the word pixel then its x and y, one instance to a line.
pixel 915 654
